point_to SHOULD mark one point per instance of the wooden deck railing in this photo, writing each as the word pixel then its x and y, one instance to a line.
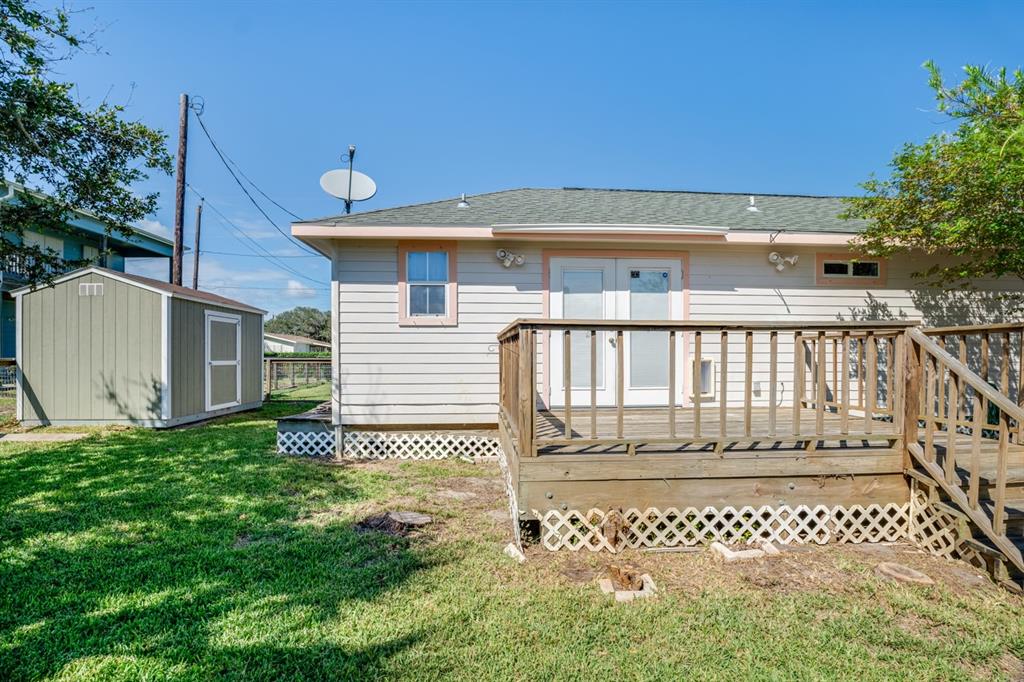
pixel 836 372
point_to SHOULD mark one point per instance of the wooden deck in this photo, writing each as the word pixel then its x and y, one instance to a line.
pixel 649 429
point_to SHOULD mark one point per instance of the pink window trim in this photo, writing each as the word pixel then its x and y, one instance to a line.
pixel 451 289
pixel 821 280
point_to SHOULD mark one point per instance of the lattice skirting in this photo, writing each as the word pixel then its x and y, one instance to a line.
pixel 388 445
pixel 510 493
pixel 306 443
pixel 937 531
pixel 612 531
pixel 418 445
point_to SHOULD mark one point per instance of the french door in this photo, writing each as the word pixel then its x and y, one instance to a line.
pixel 610 289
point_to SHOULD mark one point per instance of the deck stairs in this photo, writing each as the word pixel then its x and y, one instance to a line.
pixel 974 475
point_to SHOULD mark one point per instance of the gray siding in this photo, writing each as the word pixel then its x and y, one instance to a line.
pixel 188 356
pixel 91 358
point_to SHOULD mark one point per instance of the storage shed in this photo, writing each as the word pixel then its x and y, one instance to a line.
pixel 100 347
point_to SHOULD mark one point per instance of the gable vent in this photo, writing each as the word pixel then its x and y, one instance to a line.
pixel 90 289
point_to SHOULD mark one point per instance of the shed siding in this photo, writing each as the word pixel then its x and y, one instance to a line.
pixel 91 358
pixel 432 375
pixel 188 356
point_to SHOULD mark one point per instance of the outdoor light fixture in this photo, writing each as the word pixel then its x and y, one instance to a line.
pixel 462 202
pixel 508 259
pixel 780 262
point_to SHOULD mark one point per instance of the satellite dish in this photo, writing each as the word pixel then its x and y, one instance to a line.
pixel 348 185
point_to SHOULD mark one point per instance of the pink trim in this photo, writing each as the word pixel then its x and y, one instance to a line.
pixel 429 232
pixel 548 254
pixel 823 281
pixel 451 289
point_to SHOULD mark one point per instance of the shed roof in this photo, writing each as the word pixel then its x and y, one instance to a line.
pixel 294 338
pixel 173 290
pixel 583 206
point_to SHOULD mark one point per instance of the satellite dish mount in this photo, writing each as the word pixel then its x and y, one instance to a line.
pixel 347 184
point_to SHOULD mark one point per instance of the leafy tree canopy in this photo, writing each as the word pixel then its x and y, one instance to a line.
pixel 81 157
pixel 302 321
pixel 959 194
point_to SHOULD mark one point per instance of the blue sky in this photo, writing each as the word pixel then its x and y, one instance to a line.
pixel 443 98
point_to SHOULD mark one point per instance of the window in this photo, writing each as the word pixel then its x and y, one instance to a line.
pixel 90 253
pixel 427 273
pixel 44 241
pixel 427 290
pixel 837 269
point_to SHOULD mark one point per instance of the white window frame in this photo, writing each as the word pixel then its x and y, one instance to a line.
pixel 211 316
pixel 443 286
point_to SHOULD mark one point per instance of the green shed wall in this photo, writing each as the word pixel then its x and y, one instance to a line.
pixel 91 358
pixel 188 356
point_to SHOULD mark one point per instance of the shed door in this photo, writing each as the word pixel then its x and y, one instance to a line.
pixel 223 360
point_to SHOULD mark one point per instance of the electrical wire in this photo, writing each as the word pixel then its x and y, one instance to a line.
pixel 227 166
pixel 251 255
pixel 235 231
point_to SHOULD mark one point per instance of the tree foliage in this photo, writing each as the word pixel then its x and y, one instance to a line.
pixel 81 157
pixel 302 321
pixel 960 193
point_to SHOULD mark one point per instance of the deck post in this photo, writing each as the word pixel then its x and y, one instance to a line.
pixel 527 391
pixel 567 380
pixel 913 375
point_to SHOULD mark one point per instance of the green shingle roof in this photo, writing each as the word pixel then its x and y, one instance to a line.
pixel 572 205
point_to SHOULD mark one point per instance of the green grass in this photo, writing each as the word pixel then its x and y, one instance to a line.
pixel 319 392
pixel 199 554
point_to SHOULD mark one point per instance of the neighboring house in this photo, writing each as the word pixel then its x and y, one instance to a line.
pixel 100 346
pixel 89 240
pixel 290 343
pixel 419 293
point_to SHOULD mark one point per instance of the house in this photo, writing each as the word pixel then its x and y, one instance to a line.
pixel 87 240
pixel 420 292
pixel 290 343
pixel 98 346
pixel 694 362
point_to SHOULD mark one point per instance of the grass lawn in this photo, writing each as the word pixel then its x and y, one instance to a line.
pixel 199 553
pixel 318 392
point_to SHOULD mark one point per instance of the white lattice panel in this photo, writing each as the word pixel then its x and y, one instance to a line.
pixel 306 443
pixel 785 525
pixel 932 530
pixel 413 445
pixel 510 492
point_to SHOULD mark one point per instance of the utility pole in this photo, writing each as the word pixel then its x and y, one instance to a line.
pixel 179 196
pixel 195 261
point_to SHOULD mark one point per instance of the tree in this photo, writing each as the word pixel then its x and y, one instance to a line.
pixel 82 158
pixel 302 321
pixel 958 194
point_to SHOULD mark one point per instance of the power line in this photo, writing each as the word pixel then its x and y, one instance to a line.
pixel 218 286
pixel 235 231
pixel 253 255
pixel 227 166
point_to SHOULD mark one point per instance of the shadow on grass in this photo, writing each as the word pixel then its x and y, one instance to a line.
pixel 184 549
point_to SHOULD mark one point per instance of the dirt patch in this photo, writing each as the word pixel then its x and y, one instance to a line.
pixel 799 568
pixel 242 541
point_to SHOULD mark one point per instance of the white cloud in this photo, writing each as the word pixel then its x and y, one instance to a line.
pixel 263 287
pixel 155 227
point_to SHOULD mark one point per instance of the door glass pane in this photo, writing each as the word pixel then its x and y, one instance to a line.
pixel 583 299
pixel 648 351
